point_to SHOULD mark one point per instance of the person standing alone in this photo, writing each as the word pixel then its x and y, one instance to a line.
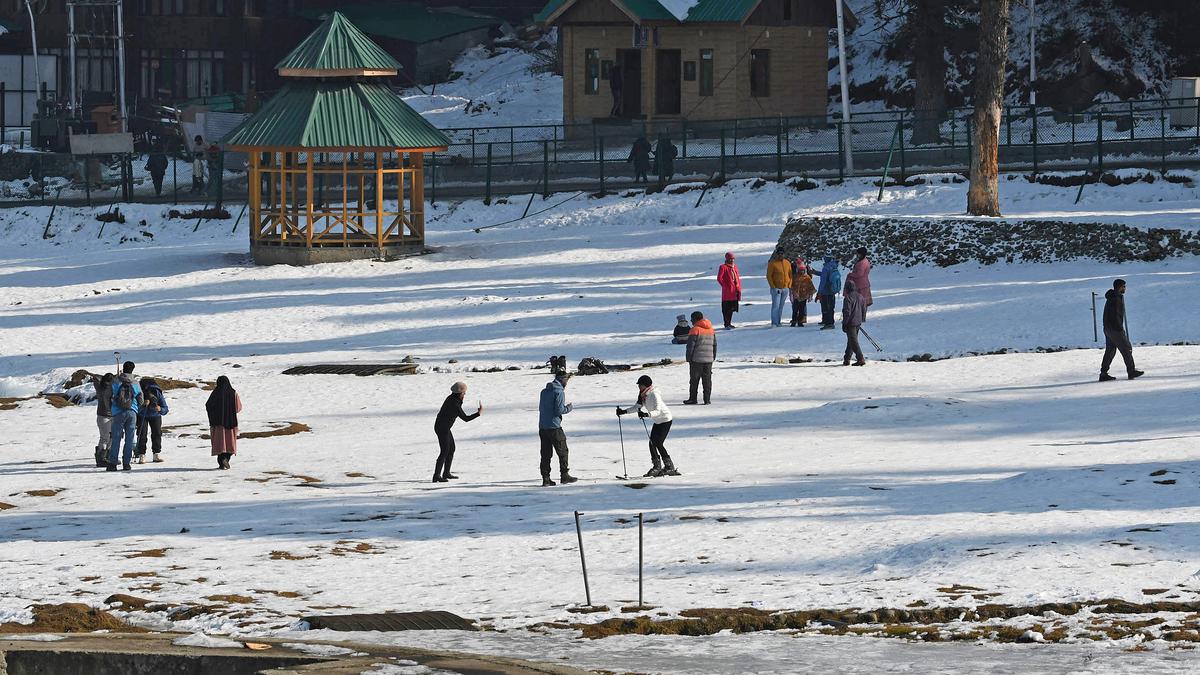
pixel 452 411
pixel 701 353
pixel 551 407
pixel 650 404
pixel 779 278
pixel 731 289
pixel 854 313
pixel 223 406
pixel 1115 337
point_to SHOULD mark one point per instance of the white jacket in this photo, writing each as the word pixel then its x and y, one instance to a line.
pixel 654 407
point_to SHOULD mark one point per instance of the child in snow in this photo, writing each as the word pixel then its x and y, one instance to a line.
pixel 802 292
pixel 150 420
pixel 681 330
pixel 650 404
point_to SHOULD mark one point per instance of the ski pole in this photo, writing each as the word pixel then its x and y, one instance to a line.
pixel 621 431
pixel 1095 330
pixel 643 419
pixel 582 560
pixel 870 339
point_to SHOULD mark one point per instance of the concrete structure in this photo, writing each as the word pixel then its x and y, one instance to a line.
pixel 726 59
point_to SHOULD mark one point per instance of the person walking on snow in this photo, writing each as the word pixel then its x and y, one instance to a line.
pixel 104 413
pixel 150 421
pixel 802 293
pixel 126 401
pixel 451 412
pixel 827 290
pixel 701 353
pixel 1115 337
pixel 198 163
pixel 854 313
pixel 731 289
pixel 551 407
pixel 650 404
pixel 779 278
pixel 861 276
pixel 639 154
pixel 157 164
pixel 223 406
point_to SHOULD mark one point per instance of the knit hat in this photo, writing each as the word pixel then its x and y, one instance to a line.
pixel 800 264
pixel 681 318
pixel 729 255
pixel 645 381
pixel 458 387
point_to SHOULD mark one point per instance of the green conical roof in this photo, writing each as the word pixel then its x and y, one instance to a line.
pixel 337 47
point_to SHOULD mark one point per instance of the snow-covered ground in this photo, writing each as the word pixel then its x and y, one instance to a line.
pixel 805 486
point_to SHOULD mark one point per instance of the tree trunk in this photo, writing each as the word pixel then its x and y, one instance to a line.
pixel 983 197
pixel 928 27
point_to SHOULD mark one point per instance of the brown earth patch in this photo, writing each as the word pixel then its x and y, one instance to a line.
pixel 343 548
pixel 43 493
pixel 193 611
pixel 285 555
pixel 5 507
pixel 232 599
pixel 356 474
pixel 287 429
pixel 70 617
pixel 128 603
pixel 10 403
pixel 305 479
pixel 281 594
pixel 57 400
pixel 138 575
pixel 149 553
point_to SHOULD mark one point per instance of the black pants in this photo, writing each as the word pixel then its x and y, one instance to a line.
pixel 446 445
pixel 700 372
pixel 728 307
pixel 223 459
pixel 554 441
pixel 641 174
pixel 827 305
pixel 158 182
pixel 1117 341
pixel 149 431
pixel 799 312
pixel 852 344
pixel 658 452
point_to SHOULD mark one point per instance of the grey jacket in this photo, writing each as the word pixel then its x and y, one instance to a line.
pixel 552 406
pixel 702 343
pixel 854 307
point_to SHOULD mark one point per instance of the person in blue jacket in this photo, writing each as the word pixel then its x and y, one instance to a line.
pixel 150 420
pixel 551 407
pixel 828 289
pixel 126 402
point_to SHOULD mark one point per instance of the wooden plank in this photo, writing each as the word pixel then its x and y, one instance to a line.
pixel 308 200
pixel 379 197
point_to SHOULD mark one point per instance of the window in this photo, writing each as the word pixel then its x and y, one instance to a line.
pixel 217 7
pixel 787 10
pixel 174 74
pixel 591 71
pixel 689 71
pixel 760 73
pixel 706 72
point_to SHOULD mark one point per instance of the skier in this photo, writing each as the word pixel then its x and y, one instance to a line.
pixel 639 155
pixel 104 397
pixel 731 289
pixel 854 313
pixel 551 407
pixel 861 276
pixel 680 335
pixel 650 404
pixel 451 412
pixel 779 278
pixel 1115 337
pixel 150 421
pixel 701 352
pixel 831 281
pixel 802 293
pixel 126 401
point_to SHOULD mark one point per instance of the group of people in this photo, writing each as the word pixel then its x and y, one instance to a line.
pixel 663 164
pixel 793 279
pixel 206 165
pixel 129 416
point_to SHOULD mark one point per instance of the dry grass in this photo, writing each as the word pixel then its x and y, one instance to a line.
pixel 231 599
pixel 57 400
pixel 43 493
pixel 287 429
pixel 138 575
pixel 285 555
pixel 281 594
pixel 149 553
pixel 70 617
pixel 10 403
pixel 5 507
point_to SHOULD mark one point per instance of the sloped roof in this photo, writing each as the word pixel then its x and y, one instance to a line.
pixel 337 47
pixel 330 114
pixel 697 11
pixel 408 21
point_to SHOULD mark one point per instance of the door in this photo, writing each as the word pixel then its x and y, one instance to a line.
pixel 630 63
pixel 668 80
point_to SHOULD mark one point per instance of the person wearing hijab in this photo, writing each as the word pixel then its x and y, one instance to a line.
pixel 223 407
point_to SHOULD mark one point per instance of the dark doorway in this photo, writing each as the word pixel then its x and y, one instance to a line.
pixel 629 61
pixel 668 80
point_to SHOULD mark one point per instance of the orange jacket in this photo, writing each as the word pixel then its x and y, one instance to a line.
pixel 802 287
pixel 779 273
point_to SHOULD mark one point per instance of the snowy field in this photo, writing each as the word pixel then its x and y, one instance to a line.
pixel 805 485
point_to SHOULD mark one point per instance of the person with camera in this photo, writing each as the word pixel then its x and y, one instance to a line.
pixel 451 412
pixel 650 404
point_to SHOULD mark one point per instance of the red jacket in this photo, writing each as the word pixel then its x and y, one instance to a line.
pixel 731 282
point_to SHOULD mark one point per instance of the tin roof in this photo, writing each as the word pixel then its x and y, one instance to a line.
pixel 337 47
pixel 329 114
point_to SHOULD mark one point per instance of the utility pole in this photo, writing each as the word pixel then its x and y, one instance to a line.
pixel 847 135
pixel 37 69
pixel 1033 22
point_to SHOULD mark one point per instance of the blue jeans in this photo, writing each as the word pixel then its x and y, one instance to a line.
pixel 124 427
pixel 779 298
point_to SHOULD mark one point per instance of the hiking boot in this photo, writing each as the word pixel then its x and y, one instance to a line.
pixel 157 458
pixel 110 467
pixel 567 478
pixel 546 482
pixel 845 362
pixel 690 401
pixel 126 467
pixel 654 471
pixel 1136 374
pixel 859 363
pixel 436 479
pixel 670 471
pixel 707 402
pixel 826 326
pixel 140 459
pixel 449 476
pixel 1105 377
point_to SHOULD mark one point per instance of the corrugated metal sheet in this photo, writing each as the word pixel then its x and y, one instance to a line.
pixel 336 114
pixel 338 44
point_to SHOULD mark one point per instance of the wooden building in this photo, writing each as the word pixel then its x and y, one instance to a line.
pixel 692 59
pixel 336 158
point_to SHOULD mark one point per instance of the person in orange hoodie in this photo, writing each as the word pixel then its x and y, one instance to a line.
pixel 701 353
pixel 779 278
pixel 802 292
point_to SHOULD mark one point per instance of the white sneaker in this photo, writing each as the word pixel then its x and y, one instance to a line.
pixel 157 459
pixel 141 459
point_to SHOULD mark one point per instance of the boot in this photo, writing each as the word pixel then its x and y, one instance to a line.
pixel 655 470
pixel 141 459
pixel 449 476
pixel 690 401
pixel 436 479
pixel 1136 374
pixel 1105 377
pixel 567 478
pixel 157 458
pixel 546 482
pixel 860 363
pixel 845 362
pixel 669 470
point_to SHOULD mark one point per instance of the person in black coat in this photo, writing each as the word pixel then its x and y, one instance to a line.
pixel 1115 337
pixel 639 155
pixel 157 166
pixel 451 412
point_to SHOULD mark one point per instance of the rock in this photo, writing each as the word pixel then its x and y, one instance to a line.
pixel 781 360
pixel 1031 636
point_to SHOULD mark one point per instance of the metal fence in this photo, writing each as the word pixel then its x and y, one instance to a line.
pixel 482 162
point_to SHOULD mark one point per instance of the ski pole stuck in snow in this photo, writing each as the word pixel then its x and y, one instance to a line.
pixel 624 467
pixel 582 560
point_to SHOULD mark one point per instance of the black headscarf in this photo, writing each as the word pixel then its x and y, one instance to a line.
pixel 222 405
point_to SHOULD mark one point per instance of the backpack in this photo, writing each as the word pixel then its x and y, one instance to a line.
pixel 124 398
pixel 592 366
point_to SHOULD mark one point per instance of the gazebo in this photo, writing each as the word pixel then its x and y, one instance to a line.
pixel 336 159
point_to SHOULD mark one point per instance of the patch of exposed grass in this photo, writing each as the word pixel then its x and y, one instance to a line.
pixel 287 429
pixel 43 493
pixel 149 553
pixel 70 617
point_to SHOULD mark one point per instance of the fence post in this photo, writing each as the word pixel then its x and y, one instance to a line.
pixel 487 189
pixel 722 154
pixel 546 169
pixel 1163 141
pixel 779 152
pixel 684 140
pixel 1033 111
pixel 433 179
pixel 1008 123
pixel 593 140
pixel 841 153
pixel 602 192
pixel 555 137
pixel 903 163
pixel 512 151
pixel 175 180
pixel 472 147
pixel 641 603
pixel 1196 121
pixel 1132 123
pixel 582 560
pixel 1099 143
